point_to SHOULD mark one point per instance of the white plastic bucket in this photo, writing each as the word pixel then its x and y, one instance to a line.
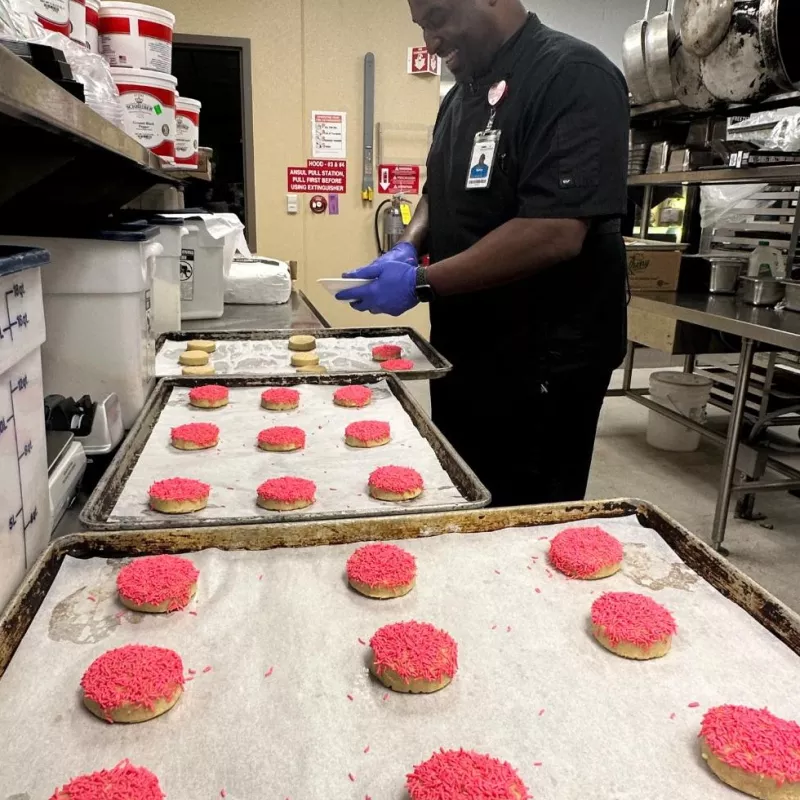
pixel 148 100
pixel 136 35
pixel 53 15
pixel 97 303
pixel 187 132
pixel 77 21
pixel 93 25
pixel 684 394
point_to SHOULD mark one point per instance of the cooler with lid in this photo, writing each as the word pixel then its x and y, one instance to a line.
pixel 24 494
pixel 97 298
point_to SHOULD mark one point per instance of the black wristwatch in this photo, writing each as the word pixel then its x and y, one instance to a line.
pixel 422 288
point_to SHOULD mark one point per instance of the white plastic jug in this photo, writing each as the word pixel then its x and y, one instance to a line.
pixel 766 262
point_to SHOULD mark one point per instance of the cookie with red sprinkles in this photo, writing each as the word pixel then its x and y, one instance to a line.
pixel 632 625
pixel 386 352
pixel 280 399
pixel 210 396
pixel 382 571
pixel 753 751
pixel 156 584
pixel 586 553
pixel 123 782
pixel 413 657
pixel 179 495
pixel 286 494
pixel 282 439
pixel 395 484
pixel 465 775
pixel 134 683
pixel 354 396
pixel 367 434
pixel 195 436
pixel 398 365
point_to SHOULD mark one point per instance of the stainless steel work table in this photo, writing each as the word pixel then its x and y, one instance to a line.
pixel 754 326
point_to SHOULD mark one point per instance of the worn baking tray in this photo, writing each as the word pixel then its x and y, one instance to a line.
pixel 95 514
pixel 763 607
pixel 440 365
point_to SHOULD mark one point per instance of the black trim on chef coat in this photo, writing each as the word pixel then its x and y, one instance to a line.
pixel 562 154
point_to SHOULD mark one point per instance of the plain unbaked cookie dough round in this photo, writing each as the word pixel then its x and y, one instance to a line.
pixel 305 359
pixel 193 358
pixel 302 343
pixel 199 372
pixel 202 345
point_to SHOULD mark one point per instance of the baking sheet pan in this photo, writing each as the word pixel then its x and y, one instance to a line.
pixel 236 467
pixel 288 708
pixel 341 350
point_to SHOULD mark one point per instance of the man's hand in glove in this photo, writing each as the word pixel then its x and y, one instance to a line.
pixel 391 289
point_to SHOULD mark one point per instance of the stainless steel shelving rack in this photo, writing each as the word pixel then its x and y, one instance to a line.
pixel 756 328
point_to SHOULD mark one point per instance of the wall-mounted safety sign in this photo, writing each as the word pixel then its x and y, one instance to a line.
pixel 421 62
pixel 318 176
pixel 398 179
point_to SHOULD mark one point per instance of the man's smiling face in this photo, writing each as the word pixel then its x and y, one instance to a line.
pixel 460 32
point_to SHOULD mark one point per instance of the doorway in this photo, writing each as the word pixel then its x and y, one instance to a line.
pixel 216 71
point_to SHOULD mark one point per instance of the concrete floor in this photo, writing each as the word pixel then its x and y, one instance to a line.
pixel 685 486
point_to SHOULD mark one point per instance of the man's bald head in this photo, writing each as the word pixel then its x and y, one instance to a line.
pixel 467 33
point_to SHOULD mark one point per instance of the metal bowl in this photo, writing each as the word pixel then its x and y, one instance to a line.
pixel 792 295
pixel 761 291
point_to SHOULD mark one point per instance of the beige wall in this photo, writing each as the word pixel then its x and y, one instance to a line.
pixel 309 54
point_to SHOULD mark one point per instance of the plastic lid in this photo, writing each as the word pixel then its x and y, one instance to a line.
pixel 15 259
pixel 189 102
pixel 685 379
pixel 135 75
pixel 108 7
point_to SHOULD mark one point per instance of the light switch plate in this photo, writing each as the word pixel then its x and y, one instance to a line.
pixel 292 206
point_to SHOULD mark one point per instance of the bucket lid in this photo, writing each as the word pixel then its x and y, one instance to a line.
pixel 136 75
pixel 687 380
pixel 142 218
pixel 109 8
pixel 15 259
pixel 190 103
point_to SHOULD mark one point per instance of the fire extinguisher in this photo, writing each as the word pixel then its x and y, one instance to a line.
pixel 394 221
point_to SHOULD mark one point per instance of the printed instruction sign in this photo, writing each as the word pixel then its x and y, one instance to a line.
pixel 329 134
pixel 318 176
pixel 398 179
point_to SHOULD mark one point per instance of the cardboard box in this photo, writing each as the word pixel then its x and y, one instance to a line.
pixel 652 266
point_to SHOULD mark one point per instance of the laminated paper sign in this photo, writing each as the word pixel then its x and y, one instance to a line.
pixel 319 176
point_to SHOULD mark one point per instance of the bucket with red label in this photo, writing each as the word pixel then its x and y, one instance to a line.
pixel 136 36
pixel 148 102
pixel 93 26
pixel 53 15
pixel 187 132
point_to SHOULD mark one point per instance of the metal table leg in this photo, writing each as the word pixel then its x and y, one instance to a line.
pixel 689 363
pixel 627 375
pixel 732 444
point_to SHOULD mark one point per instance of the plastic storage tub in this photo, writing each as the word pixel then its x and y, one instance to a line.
pixel 97 296
pixel 136 35
pixel 148 102
pixel 685 394
pixel 93 26
pixel 24 492
pixel 187 132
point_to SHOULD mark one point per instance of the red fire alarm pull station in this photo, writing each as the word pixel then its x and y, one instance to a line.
pixel 318 204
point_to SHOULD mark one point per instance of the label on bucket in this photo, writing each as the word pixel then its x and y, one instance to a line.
pixel 150 121
pixel 186 136
pixel 53 14
pixel 187 275
pixel 127 42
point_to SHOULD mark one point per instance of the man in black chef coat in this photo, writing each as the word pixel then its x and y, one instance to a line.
pixel 527 284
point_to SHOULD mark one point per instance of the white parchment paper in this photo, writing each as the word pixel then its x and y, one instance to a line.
pixel 533 687
pixel 236 467
pixel 273 357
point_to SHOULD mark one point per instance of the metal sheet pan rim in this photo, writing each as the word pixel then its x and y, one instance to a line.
pixel 94 518
pixel 441 366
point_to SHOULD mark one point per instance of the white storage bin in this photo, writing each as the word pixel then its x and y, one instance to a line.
pixel 206 257
pixel 97 306
pixel 24 494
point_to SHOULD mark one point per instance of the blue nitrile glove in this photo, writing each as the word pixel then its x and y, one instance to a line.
pixel 393 279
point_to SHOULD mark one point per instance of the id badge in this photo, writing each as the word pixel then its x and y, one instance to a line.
pixel 481 162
